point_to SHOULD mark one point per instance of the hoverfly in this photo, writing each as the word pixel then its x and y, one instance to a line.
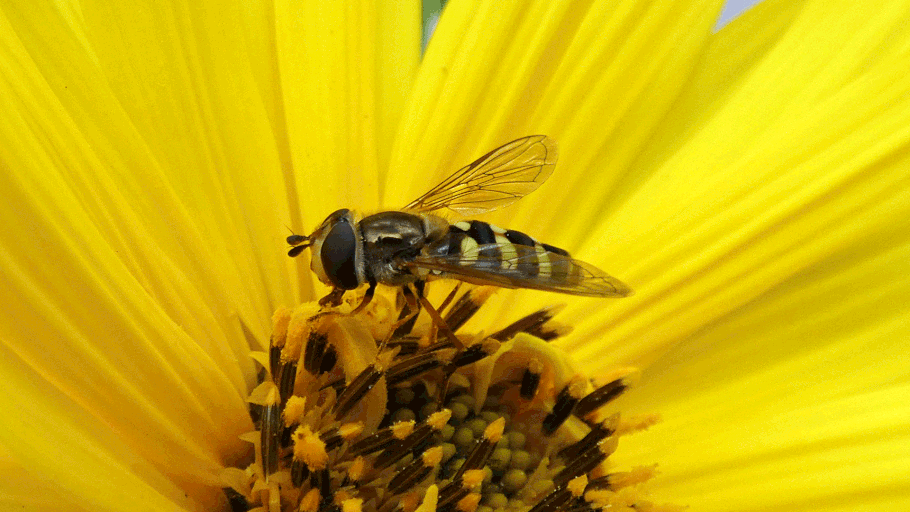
pixel 398 248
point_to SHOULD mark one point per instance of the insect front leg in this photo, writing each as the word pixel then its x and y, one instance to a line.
pixel 333 299
pixel 367 297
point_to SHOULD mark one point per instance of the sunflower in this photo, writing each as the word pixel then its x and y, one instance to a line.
pixel 750 184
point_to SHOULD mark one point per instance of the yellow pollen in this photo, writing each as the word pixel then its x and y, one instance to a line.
pixel 357 469
pixel 432 457
pixel 310 501
pixel 429 500
pixel 309 448
pixel 472 478
pixel 438 420
pixel 494 430
pixel 638 475
pixel 349 431
pixel 402 429
pixel 280 321
pixel 577 485
pixel 294 410
pixel 599 497
pixel 299 329
pixel 468 503
pixel 340 497
pixel 351 505
pixel 637 423
pixel 577 387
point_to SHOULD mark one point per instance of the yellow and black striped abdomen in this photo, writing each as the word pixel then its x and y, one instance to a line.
pixel 490 248
pixel 480 253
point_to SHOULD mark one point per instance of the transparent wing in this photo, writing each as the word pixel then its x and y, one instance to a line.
pixel 494 180
pixel 518 266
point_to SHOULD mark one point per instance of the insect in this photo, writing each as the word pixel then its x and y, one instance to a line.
pixel 413 245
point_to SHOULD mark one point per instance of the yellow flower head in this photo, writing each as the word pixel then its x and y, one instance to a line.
pixel 749 184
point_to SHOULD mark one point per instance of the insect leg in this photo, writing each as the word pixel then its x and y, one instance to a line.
pixel 333 298
pixel 410 297
pixel 408 316
pixel 438 321
pixel 367 297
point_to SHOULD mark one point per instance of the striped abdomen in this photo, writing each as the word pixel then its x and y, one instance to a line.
pixel 489 248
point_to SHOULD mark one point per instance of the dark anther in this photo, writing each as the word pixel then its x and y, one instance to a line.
pixel 565 402
pixel 529 382
pixel 600 397
pixel 356 390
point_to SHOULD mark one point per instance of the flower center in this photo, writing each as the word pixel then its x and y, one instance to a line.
pixel 378 412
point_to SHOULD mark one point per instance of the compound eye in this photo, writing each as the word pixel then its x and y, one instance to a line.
pixel 338 255
pixel 336 216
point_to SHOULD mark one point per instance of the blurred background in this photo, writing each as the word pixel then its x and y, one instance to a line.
pixel 432 9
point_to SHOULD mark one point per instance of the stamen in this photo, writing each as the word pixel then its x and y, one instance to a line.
pixel 474 353
pixel 415 365
pixel 310 501
pixel 356 390
pixel 554 501
pixel 294 410
pixel 484 447
pixel 383 438
pixel 399 449
pixel 585 462
pixel 467 306
pixel 416 471
pixel 570 395
pixel 336 436
pixel 531 379
pixel 271 430
pixel 351 505
pixel 529 323
pixel 315 349
pixel 468 503
pixel 599 432
pixel 600 397
pixel 280 321
pixel 310 449
pixel 358 469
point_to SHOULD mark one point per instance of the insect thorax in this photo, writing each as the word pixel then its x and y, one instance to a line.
pixel 393 237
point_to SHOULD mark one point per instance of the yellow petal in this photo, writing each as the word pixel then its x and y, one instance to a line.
pixel 105 269
pixel 66 457
pixel 797 400
pixel 345 70
pixel 590 76
pixel 724 219
pixel 186 86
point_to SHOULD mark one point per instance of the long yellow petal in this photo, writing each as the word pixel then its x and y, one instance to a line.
pixel 345 69
pixel 796 401
pixel 592 75
pixel 67 458
pixel 725 219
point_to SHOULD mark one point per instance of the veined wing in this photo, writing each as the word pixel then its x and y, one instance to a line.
pixel 494 180
pixel 518 266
